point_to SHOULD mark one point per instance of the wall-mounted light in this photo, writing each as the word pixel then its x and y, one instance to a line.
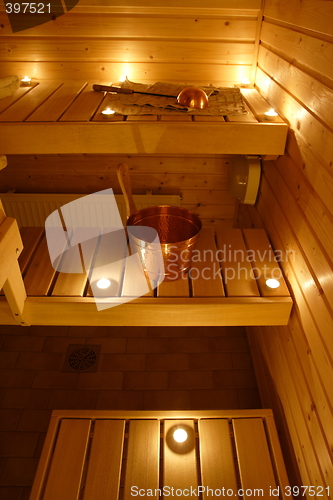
pixel 272 283
pixel 271 115
pixel 103 283
pixel 180 435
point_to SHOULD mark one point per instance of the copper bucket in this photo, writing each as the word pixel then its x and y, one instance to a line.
pixel 178 230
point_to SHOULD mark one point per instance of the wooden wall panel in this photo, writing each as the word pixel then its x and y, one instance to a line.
pixel 200 181
pixel 295 363
pixel 181 42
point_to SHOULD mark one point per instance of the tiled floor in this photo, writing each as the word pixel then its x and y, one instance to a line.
pixel 154 368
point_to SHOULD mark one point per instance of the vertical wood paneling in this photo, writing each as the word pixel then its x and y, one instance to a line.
pixel 200 181
pixel 295 363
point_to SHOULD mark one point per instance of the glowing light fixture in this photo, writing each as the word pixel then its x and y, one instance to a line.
pixel 103 283
pixel 272 283
pixel 180 435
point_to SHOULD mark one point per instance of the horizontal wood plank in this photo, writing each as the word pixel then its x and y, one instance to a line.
pixel 53 108
pixel 143 138
pixel 133 51
pixel 166 311
pixel 145 72
pixel 30 102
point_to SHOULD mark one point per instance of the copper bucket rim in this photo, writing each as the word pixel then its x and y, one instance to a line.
pixel 135 218
pixel 132 212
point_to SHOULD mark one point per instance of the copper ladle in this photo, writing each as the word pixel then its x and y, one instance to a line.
pixel 191 97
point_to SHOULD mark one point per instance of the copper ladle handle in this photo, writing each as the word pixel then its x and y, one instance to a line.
pixel 125 184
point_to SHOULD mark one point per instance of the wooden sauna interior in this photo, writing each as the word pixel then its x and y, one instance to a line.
pixel 285 49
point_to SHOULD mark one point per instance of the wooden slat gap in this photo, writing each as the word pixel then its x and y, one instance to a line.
pixel 70 104
pixel 42 102
pixel 13 100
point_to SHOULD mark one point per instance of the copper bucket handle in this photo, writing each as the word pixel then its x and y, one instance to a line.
pixel 125 184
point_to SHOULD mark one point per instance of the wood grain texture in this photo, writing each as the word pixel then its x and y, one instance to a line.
pixel 256 472
pixel 216 455
pixel 182 311
pixel 205 272
pixel 237 271
pixel 180 464
pixel 68 461
pixel 145 72
pixel 103 477
pixel 308 14
pixel 21 110
pixel 201 138
pixel 142 469
pixel 39 277
pixel 295 208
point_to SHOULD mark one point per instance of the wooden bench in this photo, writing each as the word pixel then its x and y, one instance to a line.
pixel 119 455
pixel 226 286
pixel 65 118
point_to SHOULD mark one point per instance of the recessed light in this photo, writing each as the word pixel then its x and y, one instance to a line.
pixel 272 283
pixel 180 435
pixel 103 283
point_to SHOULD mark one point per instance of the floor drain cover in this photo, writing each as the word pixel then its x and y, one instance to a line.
pixel 81 358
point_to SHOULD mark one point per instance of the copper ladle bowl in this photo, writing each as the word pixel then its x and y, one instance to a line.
pixel 193 97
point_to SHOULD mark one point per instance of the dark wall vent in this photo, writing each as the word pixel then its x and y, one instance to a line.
pixel 82 358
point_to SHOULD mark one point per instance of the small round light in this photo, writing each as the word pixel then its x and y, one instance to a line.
pixel 271 115
pixel 108 112
pixel 180 435
pixel 26 81
pixel 272 283
pixel 103 283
